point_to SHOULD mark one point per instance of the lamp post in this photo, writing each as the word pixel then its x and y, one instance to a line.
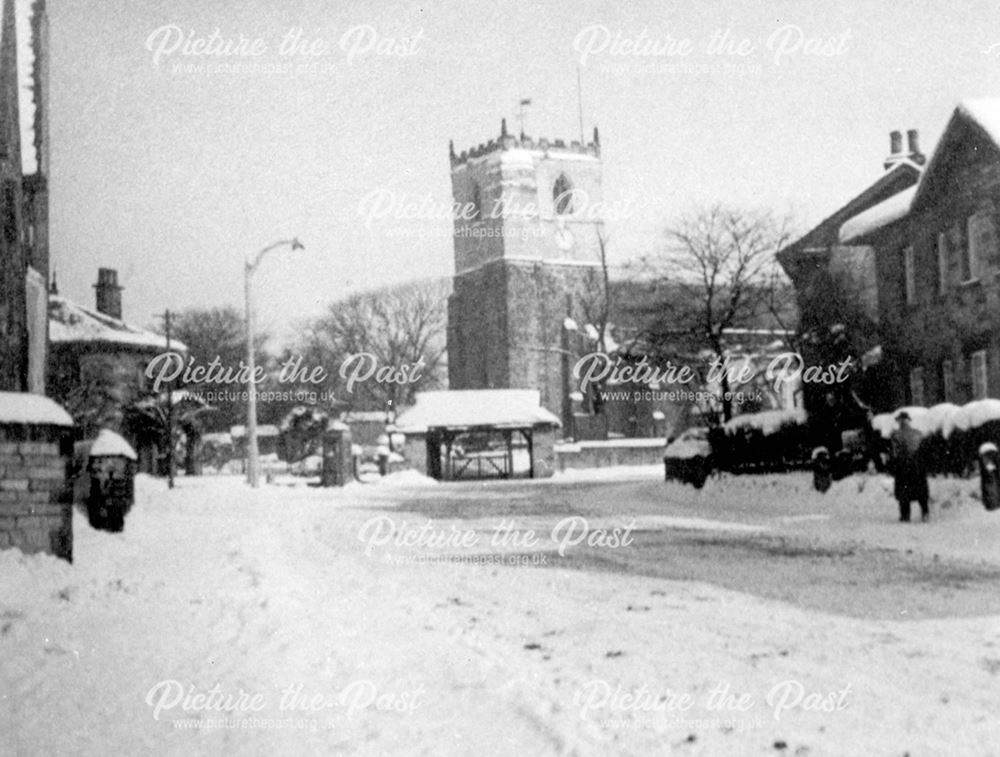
pixel 253 456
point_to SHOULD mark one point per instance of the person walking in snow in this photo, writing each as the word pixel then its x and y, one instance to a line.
pixel 909 468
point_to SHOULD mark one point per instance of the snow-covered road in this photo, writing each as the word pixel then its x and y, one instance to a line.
pixel 231 621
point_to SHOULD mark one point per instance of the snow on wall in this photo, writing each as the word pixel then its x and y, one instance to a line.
pixel 20 407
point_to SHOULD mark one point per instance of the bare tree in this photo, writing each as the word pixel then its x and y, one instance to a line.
pixel 219 333
pixel 596 307
pixel 721 271
pixel 380 338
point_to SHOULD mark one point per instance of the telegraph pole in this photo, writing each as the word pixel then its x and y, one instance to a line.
pixel 170 411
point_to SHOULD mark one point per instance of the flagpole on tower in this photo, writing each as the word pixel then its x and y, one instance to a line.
pixel 520 113
pixel 579 102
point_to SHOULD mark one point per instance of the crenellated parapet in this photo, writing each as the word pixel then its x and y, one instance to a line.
pixel 508 141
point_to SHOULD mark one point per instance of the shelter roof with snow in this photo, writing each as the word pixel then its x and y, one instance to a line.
pixel 70 323
pixel 477 408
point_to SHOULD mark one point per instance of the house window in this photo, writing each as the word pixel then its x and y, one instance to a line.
pixel 948 380
pixel 917 386
pixel 910 276
pixel 562 195
pixel 981 246
pixel 977 364
pixel 942 257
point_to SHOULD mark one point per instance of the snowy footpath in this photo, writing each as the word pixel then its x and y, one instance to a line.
pixel 286 621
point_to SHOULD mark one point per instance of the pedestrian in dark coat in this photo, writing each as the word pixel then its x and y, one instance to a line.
pixel 909 468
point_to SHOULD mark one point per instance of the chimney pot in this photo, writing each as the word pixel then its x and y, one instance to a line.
pixel 912 138
pixel 895 142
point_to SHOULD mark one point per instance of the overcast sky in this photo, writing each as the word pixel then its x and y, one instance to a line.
pixel 171 170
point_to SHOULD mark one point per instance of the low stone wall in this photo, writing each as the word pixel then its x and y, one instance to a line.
pixel 36 496
pixel 604 454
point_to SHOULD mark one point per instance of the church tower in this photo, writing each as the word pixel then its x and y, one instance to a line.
pixel 527 257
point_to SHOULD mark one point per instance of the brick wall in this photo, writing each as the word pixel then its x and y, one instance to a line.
pixel 35 497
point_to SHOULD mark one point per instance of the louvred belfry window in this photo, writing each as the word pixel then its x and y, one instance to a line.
pixel 562 196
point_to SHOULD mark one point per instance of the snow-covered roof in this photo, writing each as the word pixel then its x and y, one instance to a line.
pixel 21 407
pixel 70 322
pixel 110 444
pixel 878 216
pixel 465 408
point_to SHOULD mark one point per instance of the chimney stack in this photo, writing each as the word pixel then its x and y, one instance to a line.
pixel 109 294
pixel 913 144
pixel 895 150
pixel 897 154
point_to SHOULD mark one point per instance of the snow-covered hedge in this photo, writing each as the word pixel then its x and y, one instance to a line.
pixel 953 434
pixel 770 440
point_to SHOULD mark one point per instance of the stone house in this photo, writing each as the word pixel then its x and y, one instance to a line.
pixel 24 252
pixel 835 276
pixel 937 262
pixel 97 366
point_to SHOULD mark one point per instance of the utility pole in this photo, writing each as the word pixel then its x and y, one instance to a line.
pixel 170 410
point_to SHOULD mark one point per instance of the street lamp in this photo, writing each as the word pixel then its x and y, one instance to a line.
pixel 253 455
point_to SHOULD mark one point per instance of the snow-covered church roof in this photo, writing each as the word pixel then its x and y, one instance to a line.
pixel 467 408
pixel 70 322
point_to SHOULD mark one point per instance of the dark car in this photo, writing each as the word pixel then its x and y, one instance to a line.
pixel 688 458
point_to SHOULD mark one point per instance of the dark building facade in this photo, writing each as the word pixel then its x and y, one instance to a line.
pixel 838 289
pixel 927 258
pixel 938 267
pixel 98 363
pixel 527 257
pixel 24 251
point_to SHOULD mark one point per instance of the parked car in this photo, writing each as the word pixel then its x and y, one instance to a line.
pixel 688 458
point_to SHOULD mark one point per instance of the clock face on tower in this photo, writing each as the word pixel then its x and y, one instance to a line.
pixel 564 237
